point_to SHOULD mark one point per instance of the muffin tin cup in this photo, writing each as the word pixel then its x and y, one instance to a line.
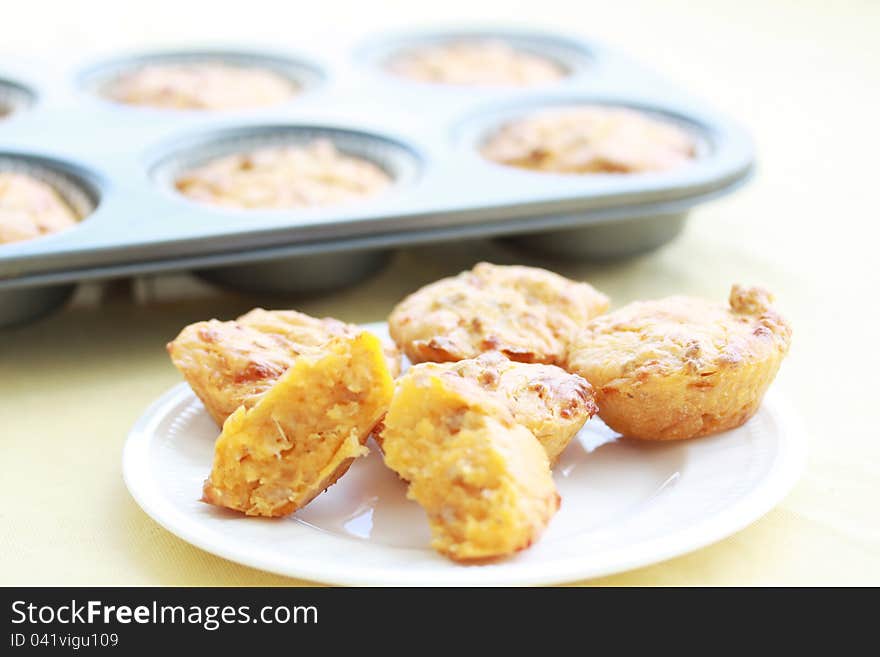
pixel 299 275
pixel 26 304
pixel 605 241
pixel 426 136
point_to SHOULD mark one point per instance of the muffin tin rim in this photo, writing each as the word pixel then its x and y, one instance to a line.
pixel 524 226
pixel 28 96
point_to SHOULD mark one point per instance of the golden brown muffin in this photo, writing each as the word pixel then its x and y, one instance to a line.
pixel 482 478
pixel 590 139
pixel 304 433
pixel 475 62
pixel 30 208
pixel 201 86
pixel 284 177
pixel 229 364
pixel 682 367
pixel 528 314
pixel 545 399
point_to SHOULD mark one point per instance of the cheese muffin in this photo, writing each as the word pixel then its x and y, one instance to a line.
pixel 545 399
pixel 482 478
pixel 200 86
pixel 528 314
pixel 489 62
pixel 230 364
pixel 304 433
pixel 590 139
pixel 681 367
pixel 284 177
pixel 31 208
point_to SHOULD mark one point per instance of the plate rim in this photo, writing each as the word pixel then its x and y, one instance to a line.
pixel 787 466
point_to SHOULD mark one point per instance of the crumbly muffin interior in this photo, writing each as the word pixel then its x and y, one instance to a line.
pixel 234 363
pixel 545 399
pixel 303 434
pixel 483 480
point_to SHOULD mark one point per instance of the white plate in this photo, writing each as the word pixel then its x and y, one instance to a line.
pixel 625 504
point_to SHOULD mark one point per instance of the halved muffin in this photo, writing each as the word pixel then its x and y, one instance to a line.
pixel 304 433
pixel 545 399
pixel 229 364
pixel 483 479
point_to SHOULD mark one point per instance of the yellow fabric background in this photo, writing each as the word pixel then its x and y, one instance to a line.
pixel 803 78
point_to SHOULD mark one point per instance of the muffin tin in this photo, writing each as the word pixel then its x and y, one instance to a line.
pixel 120 162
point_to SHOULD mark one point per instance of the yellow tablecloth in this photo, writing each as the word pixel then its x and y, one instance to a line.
pixel 802 76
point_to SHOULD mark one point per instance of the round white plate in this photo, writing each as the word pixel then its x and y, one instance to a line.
pixel 625 504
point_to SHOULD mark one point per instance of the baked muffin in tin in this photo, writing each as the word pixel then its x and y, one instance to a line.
pixel 489 62
pixel 30 208
pixel 590 139
pixel 290 176
pixel 200 86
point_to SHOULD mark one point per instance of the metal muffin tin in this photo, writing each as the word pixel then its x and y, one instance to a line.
pixel 124 159
pixel 14 98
